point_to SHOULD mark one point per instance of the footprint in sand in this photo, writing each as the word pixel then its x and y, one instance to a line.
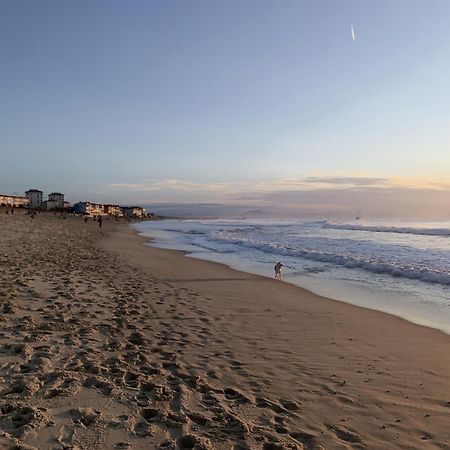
pixel 86 416
pixel 234 394
pixel 265 403
pixel 19 420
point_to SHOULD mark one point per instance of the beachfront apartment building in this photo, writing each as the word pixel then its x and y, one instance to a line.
pixel 133 211
pixel 113 210
pixel 34 197
pixel 50 205
pixel 99 209
pixel 13 200
pixel 56 200
pixel 89 208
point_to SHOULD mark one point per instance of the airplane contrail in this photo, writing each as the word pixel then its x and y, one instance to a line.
pixel 353 33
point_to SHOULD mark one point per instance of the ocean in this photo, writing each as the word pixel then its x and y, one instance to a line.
pixel 399 268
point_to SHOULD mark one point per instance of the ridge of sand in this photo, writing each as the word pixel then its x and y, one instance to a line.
pixel 106 343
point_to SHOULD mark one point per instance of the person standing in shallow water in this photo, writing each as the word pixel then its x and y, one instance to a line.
pixel 277 269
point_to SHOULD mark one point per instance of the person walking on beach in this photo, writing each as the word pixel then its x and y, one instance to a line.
pixel 100 221
pixel 277 269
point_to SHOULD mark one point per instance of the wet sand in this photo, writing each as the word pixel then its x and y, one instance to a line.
pixel 107 343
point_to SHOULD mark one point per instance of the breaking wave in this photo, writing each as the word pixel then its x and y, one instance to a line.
pixel 388 229
pixel 410 254
pixel 392 260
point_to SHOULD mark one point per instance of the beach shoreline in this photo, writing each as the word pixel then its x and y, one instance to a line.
pixel 406 340
pixel 111 343
pixel 148 242
pixel 407 305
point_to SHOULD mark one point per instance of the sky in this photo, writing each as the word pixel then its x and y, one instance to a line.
pixel 316 108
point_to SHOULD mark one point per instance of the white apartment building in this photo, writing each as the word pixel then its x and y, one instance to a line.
pixel 56 200
pixel 34 197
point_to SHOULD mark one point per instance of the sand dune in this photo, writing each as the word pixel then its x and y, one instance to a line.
pixel 106 343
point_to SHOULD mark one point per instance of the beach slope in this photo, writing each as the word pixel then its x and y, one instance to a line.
pixel 108 343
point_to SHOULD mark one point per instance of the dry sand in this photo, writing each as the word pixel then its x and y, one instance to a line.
pixel 106 343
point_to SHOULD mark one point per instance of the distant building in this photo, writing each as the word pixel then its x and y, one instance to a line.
pixel 112 210
pixel 133 211
pixel 56 200
pixel 50 205
pixel 13 200
pixel 89 208
pixel 34 197
pixel 5 200
pixel 99 209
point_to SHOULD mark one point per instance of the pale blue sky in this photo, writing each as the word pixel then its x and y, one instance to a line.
pixel 157 100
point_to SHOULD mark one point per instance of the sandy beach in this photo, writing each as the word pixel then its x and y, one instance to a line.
pixel 107 343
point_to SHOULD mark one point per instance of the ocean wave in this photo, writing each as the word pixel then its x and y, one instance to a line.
pixel 409 270
pixel 411 259
pixel 195 232
pixel 388 229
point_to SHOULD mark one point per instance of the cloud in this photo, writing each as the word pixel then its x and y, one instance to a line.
pixel 350 182
pixel 292 183
pixel 170 184
pixel 314 196
pixel 419 183
pixel 359 181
